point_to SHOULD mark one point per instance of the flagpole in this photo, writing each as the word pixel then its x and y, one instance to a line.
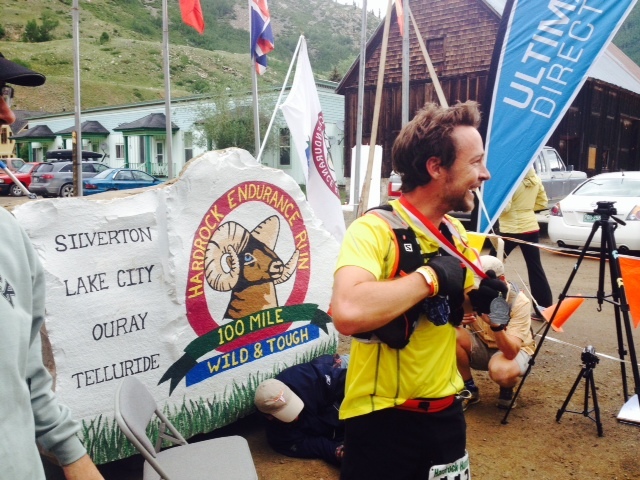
pixel 77 161
pixel 167 88
pixel 254 87
pixel 364 198
pixel 355 167
pixel 275 110
pixel 405 62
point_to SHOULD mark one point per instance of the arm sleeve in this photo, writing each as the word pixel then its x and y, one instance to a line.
pixel 298 445
pixel 542 201
pixel 55 429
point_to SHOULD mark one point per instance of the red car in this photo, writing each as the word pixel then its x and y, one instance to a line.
pixel 7 186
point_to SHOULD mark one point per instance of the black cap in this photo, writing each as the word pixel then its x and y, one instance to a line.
pixel 18 75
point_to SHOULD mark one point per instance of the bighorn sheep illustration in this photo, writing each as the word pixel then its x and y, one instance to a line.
pixel 246 263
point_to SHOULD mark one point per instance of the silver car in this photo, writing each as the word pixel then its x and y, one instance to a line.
pixel 56 178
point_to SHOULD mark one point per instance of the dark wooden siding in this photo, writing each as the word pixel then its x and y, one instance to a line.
pixel 600 132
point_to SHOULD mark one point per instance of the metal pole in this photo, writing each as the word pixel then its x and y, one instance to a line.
pixel 167 88
pixel 405 63
pixel 254 88
pixel 77 147
pixel 366 186
pixel 275 110
pixel 355 166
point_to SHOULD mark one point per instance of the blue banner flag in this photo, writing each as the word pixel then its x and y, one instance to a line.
pixel 548 48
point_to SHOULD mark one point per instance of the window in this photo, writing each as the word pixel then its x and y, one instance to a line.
pixel 159 153
pixel 120 151
pixel 141 176
pixel 285 147
pixel 4 137
pixel 188 146
pixel 142 152
pixel 124 175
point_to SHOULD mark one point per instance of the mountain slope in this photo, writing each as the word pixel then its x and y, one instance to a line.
pixel 121 48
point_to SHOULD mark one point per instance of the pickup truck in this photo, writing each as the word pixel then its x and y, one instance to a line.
pixel 558 180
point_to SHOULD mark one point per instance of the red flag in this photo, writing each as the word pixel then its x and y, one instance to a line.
pixel 567 308
pixel 400 15
pixel 192 14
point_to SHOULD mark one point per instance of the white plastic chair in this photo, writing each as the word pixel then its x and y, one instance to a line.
pixel 227 458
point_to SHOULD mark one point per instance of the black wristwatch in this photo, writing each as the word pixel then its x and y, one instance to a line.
pixel 499 328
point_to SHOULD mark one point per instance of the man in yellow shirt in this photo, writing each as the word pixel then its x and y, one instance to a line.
pixel 402 419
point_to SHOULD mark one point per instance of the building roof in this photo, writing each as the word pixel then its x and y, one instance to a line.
pixel 612 67
pixel 89 127
pixel 153 121
pixel 39 131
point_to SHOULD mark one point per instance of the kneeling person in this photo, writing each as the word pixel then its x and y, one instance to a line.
pixel 301 408
pixel 501 347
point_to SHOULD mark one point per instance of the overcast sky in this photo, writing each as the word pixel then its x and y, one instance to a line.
pixel 375 5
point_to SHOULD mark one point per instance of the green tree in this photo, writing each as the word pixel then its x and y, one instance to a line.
pixel 230 124
pixel 35 33
pixel 335 75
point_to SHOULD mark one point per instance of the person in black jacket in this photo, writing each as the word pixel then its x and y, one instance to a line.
pixel 301 409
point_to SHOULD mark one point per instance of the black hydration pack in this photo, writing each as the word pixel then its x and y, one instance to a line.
pixel 396 333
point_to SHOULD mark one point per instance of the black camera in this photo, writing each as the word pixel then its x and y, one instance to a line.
pixel 589 357
pixel 605 208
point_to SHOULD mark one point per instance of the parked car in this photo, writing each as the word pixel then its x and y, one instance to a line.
pixel 7 185
pixel 571 219
pixel 13 164
pixel 118 179
pixel 558 179
pixel 56 178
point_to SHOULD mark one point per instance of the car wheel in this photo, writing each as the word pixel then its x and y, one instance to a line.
pixel 15 191
pixel 66 190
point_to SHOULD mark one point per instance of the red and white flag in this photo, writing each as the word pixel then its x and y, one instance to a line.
pixel 192 14
pixel 303 114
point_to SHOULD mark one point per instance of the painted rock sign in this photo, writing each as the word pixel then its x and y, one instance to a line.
pixel 202 288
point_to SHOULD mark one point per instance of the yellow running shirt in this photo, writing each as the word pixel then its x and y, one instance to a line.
pixel 382 377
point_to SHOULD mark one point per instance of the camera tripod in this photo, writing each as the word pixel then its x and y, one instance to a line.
pixel 607 223
pixel 589 361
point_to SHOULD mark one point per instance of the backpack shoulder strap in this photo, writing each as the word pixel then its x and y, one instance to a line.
pixel 409 257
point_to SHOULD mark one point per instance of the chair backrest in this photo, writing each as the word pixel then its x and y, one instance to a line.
pixel 134 409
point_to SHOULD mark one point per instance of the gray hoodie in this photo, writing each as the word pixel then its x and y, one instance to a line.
pixel 29 409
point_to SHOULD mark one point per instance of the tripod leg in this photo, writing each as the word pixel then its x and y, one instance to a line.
pixel 561 297
pixel 568 399
pixel 596 408
pixel 621 309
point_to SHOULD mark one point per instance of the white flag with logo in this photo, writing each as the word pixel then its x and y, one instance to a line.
pixel 303 114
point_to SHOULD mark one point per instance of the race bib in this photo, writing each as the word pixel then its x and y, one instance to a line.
pixel 457 470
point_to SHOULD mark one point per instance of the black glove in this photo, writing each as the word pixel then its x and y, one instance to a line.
pixel 451 275
pixel 489 289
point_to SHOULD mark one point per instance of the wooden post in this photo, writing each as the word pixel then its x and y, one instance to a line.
pixel 364 198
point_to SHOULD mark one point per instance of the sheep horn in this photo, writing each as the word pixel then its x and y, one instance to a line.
pixel 289 268
pixel 221 264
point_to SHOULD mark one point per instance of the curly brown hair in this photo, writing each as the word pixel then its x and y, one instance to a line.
pixel 428 135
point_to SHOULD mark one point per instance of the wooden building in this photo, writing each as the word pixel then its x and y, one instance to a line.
pixel 600 132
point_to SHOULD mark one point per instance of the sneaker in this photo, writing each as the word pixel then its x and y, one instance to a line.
pixel 504 399
pixel 469 397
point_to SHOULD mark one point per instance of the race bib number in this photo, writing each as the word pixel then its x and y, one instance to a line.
pixel 458 470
